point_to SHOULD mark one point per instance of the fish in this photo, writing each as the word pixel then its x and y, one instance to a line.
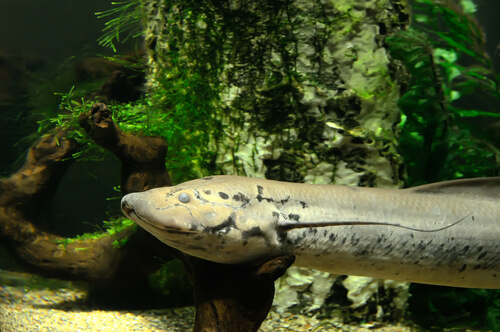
pixel 445 233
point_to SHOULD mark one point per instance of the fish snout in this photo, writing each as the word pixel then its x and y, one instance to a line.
pixel 129 204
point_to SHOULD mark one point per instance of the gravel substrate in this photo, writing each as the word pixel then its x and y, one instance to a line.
pixel 62 310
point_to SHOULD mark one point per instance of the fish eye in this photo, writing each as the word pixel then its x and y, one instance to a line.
pixel 183 197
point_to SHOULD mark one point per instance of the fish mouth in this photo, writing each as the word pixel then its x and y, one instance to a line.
pixel 132 213
pixel 128 210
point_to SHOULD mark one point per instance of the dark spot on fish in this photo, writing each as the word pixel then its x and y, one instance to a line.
pixel 198 196
pixel 172 231
pixel 313 230
pixel 219 246
pixel 407 252
pixel 245 242
pixel 332 237
pixel 283 201
pixel 304 204
pixel 412 236
pixel 254 231
pixel 223 195
pixel 462 269
pixel 259 197
pixel 282 237
pixel 207 192
pixel 301 237
pixel 240 197
pixel 416 262
pixel 465 249
pixel 260 190
pixel 226 224
pixel 207 178
pixel 480 248
pixel 476 266
pixel 473 218
pixel 173 192
pixel 295 217
pixel 193 247
pixel 481 255
pixel 343 240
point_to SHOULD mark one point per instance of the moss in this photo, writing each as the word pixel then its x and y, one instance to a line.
pixel 125 18
pixel 111 228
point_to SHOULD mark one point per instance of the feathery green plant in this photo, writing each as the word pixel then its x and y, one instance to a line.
pixel 126 18
pixel 437 129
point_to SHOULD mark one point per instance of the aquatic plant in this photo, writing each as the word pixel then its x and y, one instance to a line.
pixel 125 18
pixel 440 123
pixel 109 228
pixel 445 134
pixel 180 119
pixel 178 106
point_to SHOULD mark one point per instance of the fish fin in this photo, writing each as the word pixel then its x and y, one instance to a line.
pixel 477 187
pixel 289 225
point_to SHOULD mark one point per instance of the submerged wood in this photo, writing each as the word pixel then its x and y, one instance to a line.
pixel 227 297
pixel 118 271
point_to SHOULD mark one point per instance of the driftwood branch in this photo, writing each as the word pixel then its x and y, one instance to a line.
pixel 143 158
pixel 95 260
pixel 227 297
pixel 234 297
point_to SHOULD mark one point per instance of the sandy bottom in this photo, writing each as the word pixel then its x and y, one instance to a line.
pixel 25 309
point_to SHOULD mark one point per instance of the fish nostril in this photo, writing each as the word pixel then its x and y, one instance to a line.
pixel 127 208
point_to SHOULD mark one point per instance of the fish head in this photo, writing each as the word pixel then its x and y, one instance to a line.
pixel 220 221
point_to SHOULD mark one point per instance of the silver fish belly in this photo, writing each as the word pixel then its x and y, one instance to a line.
pixel 446 233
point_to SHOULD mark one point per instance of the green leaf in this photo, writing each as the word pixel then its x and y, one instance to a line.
pixel 473 113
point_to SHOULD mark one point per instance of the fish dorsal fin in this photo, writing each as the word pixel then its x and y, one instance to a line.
pixel 477 187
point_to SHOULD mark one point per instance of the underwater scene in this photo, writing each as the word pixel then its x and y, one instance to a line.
pixel 257 165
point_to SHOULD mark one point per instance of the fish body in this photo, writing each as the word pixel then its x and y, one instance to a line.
pixel 445 234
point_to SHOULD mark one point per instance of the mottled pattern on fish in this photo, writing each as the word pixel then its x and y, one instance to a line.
pixel 446 233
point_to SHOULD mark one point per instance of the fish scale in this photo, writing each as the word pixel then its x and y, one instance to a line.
pixel 445 233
